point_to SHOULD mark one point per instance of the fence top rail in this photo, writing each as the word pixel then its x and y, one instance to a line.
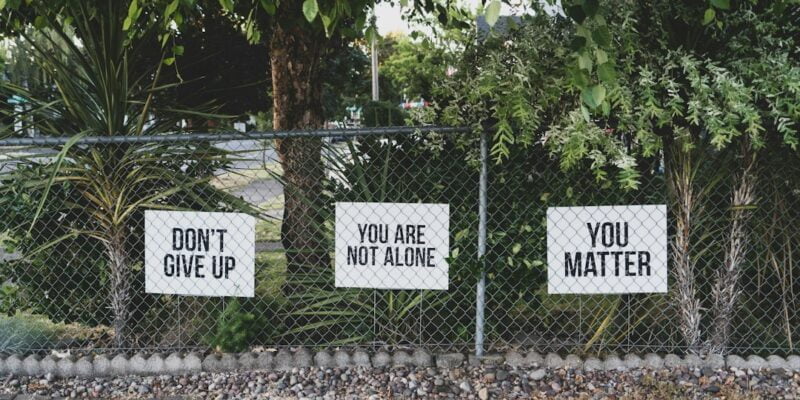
pixel 224 136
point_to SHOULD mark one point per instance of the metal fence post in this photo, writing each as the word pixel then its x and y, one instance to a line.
pixel 480 301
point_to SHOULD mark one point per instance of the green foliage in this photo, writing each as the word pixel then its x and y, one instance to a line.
pixel 234 328
pixel 382 113
pixel 414 66
pixel 25 331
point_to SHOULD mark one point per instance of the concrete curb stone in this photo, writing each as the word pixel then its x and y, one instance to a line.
pixel 137 364
pixel 632 361
pixel 450 360
pixel 613 363
pixel 593 364
pixel 264 360
pixel 323 359
pixel 48 365
pixel 573 361
pixel 402 359
pixel 31 365
pixel 361 359
pixel 283 360
pixel 777 362
pixel 248 360
pixel 84 367
pixel 673 361
pixel 755 362
pixel 155 364
pixel 303 358
pixel 653 361
pixel 693 361
pixel 553 360
pixel 342 359
pixel 192 362
pixel 66 366
pixel 381 359
pixel 794 362
pixel 514 359
pixel 533 358
pixel 14 365
pixel 173 364
pixel 422 358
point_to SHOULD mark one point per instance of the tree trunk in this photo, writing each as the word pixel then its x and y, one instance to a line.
pixel 295 55
pixel 686 202
pixel 726 291
pixel 120 282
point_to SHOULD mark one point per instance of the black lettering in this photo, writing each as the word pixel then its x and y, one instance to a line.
pixel 619 240
pixel 202 239
pixel 217 269
pixel 352 255
pixel 629 263
pixel 222 233
pixel 373 249
pixel 616 261
pixel 230 264
pixel 593 232
pixel 198 265
pixel 602 255
pixel 644 262
pixel 572 268
pixel 608 234
pixel 362 229
pixel 590 265
pixel 190 244
pixel 398 235
pixel 169 265
pixel 430 257
pixel 177 239
pixel 388 258
pixel 421 234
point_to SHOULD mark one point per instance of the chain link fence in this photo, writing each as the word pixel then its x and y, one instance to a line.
pixel 72 228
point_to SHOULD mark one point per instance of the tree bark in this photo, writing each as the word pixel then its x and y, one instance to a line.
pixel 120 282
pixel 686 202
pixel 295 56
pixel 726 291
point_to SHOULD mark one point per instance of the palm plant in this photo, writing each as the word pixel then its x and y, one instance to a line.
pixel 105 188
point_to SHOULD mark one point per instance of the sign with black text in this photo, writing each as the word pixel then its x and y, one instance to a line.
pixel 199 253
pixel 607 249
pixel 392 245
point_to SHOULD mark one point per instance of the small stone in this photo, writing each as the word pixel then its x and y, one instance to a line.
pixel 465 387
pixel 712 389
pixel 502 375
pixel 483 394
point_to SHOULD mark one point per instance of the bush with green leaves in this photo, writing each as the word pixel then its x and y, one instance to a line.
pixel 234 329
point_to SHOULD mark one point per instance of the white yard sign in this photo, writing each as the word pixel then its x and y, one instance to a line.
pixel 199 253
pixel 392 245
pixel 607 249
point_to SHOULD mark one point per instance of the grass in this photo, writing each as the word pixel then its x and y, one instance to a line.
pixel 235 179
pixel 270 273
pixel 24 331
pixel 269 229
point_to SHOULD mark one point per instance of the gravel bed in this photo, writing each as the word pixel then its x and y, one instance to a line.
pixel 479 382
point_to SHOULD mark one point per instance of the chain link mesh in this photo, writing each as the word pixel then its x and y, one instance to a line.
pixel 72 230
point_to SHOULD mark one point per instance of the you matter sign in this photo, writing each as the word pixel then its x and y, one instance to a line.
pixel 392 245
pixel 199 253
pixel 607 249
